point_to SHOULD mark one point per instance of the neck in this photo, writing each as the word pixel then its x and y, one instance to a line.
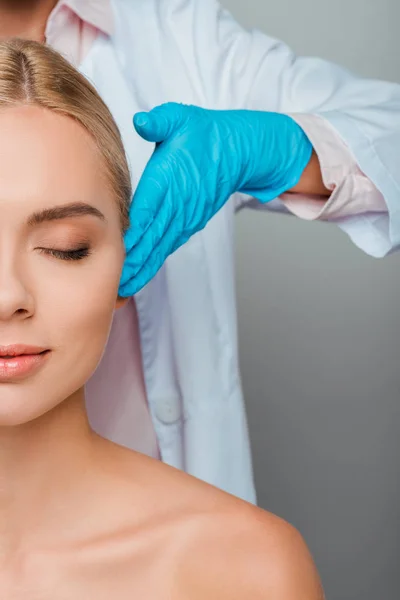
pixel 25 18
pixel 42 465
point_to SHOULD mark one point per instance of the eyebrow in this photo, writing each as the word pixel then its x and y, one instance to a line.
pixel 55 213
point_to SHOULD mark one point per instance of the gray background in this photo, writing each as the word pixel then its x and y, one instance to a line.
pixel 319 334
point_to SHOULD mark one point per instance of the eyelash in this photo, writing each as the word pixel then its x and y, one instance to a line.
pixel 76 254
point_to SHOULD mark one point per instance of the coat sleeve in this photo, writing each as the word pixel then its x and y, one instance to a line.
pixel 236 68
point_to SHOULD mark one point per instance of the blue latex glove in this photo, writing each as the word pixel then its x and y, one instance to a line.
pixel 201 158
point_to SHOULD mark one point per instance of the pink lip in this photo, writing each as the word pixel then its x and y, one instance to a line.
pixel 19 361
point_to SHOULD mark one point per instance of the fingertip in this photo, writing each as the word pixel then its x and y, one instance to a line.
pixel 122 293
pixel 140 119
pixel 128 287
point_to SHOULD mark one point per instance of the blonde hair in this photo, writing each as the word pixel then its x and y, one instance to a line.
pixel 32 73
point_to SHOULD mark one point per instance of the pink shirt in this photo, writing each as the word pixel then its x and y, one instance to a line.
pixel 71 29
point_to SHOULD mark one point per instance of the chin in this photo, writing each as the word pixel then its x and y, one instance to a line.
pixel 19 407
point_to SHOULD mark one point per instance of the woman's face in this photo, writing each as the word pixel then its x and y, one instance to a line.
pixel 61 255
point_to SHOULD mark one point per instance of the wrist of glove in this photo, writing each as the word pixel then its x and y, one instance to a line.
pixel 276 152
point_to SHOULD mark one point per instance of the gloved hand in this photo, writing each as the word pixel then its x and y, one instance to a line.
pixel 201 158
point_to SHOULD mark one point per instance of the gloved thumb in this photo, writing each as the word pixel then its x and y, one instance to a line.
pixel 159 123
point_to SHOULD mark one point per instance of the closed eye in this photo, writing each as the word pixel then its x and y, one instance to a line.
pixel 75 254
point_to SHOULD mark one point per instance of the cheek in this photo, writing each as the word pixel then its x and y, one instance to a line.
pixel 74 307
pixel 79 307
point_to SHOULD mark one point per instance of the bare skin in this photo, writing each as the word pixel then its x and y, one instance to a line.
pixel 25 18
pixel 113 523
pixel 79 516
pixel 116 524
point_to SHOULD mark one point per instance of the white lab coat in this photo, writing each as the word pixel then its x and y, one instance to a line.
pixel 192 51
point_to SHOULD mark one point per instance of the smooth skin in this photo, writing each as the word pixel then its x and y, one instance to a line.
pixel 81 517
pixel 25 18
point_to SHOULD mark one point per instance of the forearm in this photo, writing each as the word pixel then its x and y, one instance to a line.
pixel 311 182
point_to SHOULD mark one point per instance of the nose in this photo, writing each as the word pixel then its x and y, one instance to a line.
pixel 16 302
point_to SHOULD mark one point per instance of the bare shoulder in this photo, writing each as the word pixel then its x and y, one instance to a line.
pixel 221 548
pixel 240 551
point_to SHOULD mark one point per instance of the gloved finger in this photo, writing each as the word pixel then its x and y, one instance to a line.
pixel 140 253
pixel 147 202
pixel 150 268
pixel 159 123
